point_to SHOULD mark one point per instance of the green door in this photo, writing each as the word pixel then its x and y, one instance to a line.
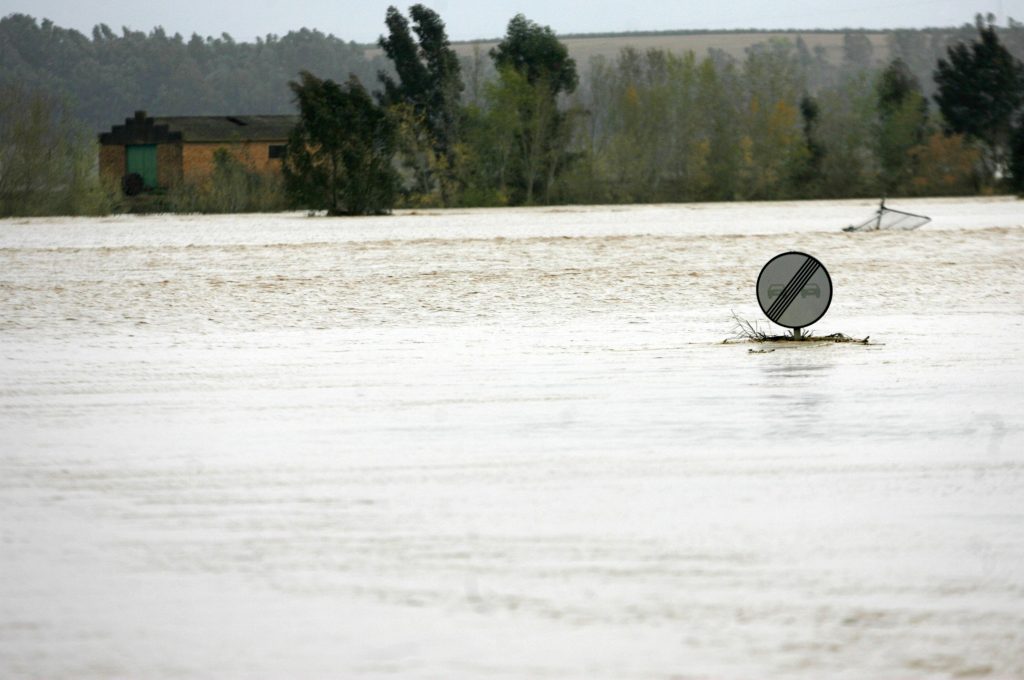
pixel 141 158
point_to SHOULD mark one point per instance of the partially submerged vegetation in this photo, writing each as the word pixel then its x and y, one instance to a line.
pixel 751 331
pixel 232 187
pixel 47 159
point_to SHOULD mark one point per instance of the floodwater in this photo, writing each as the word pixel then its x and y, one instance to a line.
pixel 510 443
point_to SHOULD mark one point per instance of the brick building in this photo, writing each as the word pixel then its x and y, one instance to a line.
pixel 164 151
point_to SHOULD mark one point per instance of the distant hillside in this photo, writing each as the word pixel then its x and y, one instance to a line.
pixel 584 47
pixel 826 50
pixel 107 75
pixel 734 43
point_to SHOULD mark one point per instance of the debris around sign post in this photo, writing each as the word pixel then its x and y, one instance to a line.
pixel 746 331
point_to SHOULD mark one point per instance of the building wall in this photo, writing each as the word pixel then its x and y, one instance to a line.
pixel 168 164
pixel 191 161
pixel 198 164
pixel 112 162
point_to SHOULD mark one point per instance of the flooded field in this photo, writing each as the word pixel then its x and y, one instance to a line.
pixel 510 443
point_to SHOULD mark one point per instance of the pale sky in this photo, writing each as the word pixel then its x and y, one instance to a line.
pixel 363 20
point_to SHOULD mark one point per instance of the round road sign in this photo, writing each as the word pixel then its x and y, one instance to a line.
pixel 794 290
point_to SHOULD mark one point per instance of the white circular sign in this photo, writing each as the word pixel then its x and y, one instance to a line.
pixel 794 290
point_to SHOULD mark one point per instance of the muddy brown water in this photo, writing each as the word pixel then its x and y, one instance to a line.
pixel 510 444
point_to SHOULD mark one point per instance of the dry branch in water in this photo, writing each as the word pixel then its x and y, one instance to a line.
pixel 747 331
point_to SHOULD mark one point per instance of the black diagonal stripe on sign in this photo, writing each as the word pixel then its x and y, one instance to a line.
pixel 788 289
pixel 793 288
pixel 804 278
pixel 791 291
pixel 798 285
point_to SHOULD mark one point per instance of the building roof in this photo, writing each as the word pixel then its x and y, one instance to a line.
pixel 142 129
pixel 225 128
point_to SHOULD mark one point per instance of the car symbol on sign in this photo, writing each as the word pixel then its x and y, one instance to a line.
pixel 810 289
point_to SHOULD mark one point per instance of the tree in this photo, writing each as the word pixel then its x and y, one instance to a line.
pixel 638 152
pixel 981 89
pixel 536 53
pixel 105 75
pixel 47 161
pixel 534 67
pixel 945 165
pixel 772 146
pixel 428 87
pixel 845 128
pixel 808 168
pixel 902 124
pixel 719 93
pixel 1017 157
pixel 486 171
pixel 914 48
pixel 857 51
pixel 339 155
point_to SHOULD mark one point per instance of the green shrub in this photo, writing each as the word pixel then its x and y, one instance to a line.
pixel 48 162
pixel 231 188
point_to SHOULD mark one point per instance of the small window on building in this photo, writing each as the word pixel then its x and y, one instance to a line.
pixel 275 151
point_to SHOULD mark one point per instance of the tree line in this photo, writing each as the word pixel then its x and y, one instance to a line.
pixel 109 73
pixel 106 76
pixel 524 124
pixel 653 126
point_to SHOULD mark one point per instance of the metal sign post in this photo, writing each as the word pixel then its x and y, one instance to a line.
pixel 794 290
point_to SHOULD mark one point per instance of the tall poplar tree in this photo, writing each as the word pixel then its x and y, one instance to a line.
pixel 981 91
pixel 428 86
pixel 534 68
pixel 339 155
pixel 902 125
